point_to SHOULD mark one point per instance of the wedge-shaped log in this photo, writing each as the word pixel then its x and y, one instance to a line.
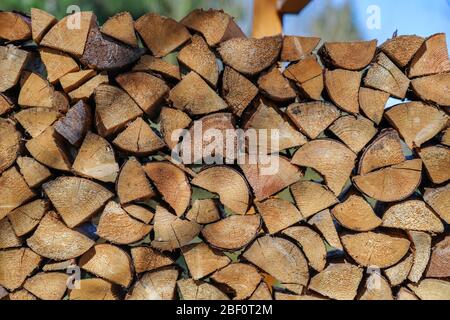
pixel 15 191
pixel 323 221
pixel 278 214
pixel 73 80
pixel 36 92
pixel 36 120
pixel 170 121
pixel 132 184
pixel 85 91
pixel 308 75
pixel 422 250
pixel 431 289
pixel 198 290
pixel 262 292
pixel 77 121
pixel 146 258
pixel 352 55
pixel 434 88
pixel 47 285
pixel 439 200
pixel 399 272
pixel 382 291
pixel 431 57
pixel 439 266
pixel 14 26
pixel 8 238
pixel 10 144
pixel 275 86
pixel 16 265
pixel 158 285
pixel 343 88
pixel 94 289
pixel 436 160
pixel 354 131
pixel 121 27
pixel 148 63
pixel 203 211
pixel 12 62
pixel 241 278
pixel 402 48
pixel 202 260
pixel 41 22
pixel 139 212
pixel 312 197
pixel 25 218
pixel 32 171
pixel 57 64
pixel 5 104
pixel 296 48
pixel 372 103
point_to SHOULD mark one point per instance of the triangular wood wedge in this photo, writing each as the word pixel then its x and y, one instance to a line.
pixel 203 211
pixel 439 200
pixel 12 62
pixel 354 131
pixel 434 88
pixel 172 120
pixel 376 288
pixel 202 260
pixel 47 285
pixel 275 86
pixel 198 290
pixel 262 292
pixel 436 160
pixel 278 214
pixel 73 80
pixel 10 144
pixel 158 285
pixel 8 238
pixel 15 191
pixel 296 48
pixel 132 183
pixel 57 64
pixel 36 92
pixel 85 91
pixel 21 295
pixel 343 88
pixel 5 104
pixel 372 103
pixel 405 294
pixel 16 265
pixel 439 266
pixel 121 27
pixel 25 218
pixel 402 48
pixel 14 26
pixel 139 212
pixel 148 63
pixel 74 126
pixel 323 221
pixel 32 171
pixel 422 250
pixel 36 120
pixel 399 272
pixel 432 289
pixel 308 75
pixel 146 258
pixel 41 22
pixel 93 289
pixel 352 55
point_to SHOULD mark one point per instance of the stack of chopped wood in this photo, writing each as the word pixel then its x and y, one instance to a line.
pixel 358 208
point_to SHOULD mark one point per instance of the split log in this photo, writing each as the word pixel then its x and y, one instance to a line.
pixel 431 57
pixel 170 121
pixel 132 184
pixel 53 240
pixel 114 220
pixel 229 184
pixel 85 91
pixel 121 27
pixel 96 159
pixel 262 292
pixel 422 250
pixel 355 213
pixel 330 158
pixel 57 64
pixel 203 211
pixel 436 160
pixel 108 262
pixel 161 35
pixel 324 223
pixel 64 37
pixel 59 265
pixel 354 55
pixel 432 289
pixel 5 104
pixel 36 120
pixel 73 80
pixel 239 279
pixel 36 92
pixel 445 138
pixel 278 214
pixel 8 238
pixel 138 139
pixel 15 191
pixel 201 260
pixel 74 126
pixel 376 288
pixel 280 258
pixel 343 88
pixel 392 183
pixel 194 96
pixel 372 103
pixel 32 171
pixel 250 56
pixel 139 212
pixel 10 144
pixel 308 75
pixel 199 290
pixel 93 289
pixel 172 183
pixel 60 102
pixel 12 62
pixel 197 57
pixel 73 198
pixel 158 285
pixel 172 232
pixel 434 88
pixel 47 285
pixel 405 294
pixel 21 295
pixel 439 266
pixel 146 90
pixel 439 200
pixel 312 245
pixel 233 232
pixel 338 281
pixel 14 26
pixel 296 48
pixel 147 259
pixel 398 273
pixel 401 49
pixel 215 25
pixel 312 118
pixel 148 63
pixel 41 22
pixel 25 218
pixel 16 265
pixel 412 215
pixel 354 131
pixel 275 86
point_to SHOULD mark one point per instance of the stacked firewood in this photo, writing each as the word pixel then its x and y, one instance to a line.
pixel 94 205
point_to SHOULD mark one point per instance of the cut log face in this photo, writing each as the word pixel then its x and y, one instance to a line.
pixel 139 212
pixel 194 96
pixel 439 200
pixel 146 90
pixel 76 199
pixel 384 75
pixel 171 120
pixel 21 27
pixel 201 260
pixel 372 103
pixel 412 215
pixel 53 240
pixel 74 126
pixel 348 55
pixel 10 144
pixel 398 273
pixel 197 57
pixel 148 63
pixel 47 285
pixel 385 150
pixel 431 57
pixel 434 88
pixel 405 294
pixel 57 64
pixel 312 118
pixel 250 56
pixel 8 238
pixel 85 91
pixel 268 179
pixel 241 278
pixel 103 53
pixel 203 211
pixel 21 295
pixel 93 289
pixel 308 75
pixel 158 285
pixel 73 80
pixel 323 221
pixel 108 262
pixel 376 288
pixel 233 232
pixel 59 265
pixel 64 37
pixel 147 259
pixel 16 265
pixel 36 92
pixel 445 138
pixel 32 171
pixel 262 292
pixel 432 289
pixel 121 27
pixel 15 191
pixel 36 120
pixel 355 132
pixel 306 195
pixel 172 183
pixel 436 160
pixel 132 184
pixel 25 218
pixel 229 184
pixel 237 90
pixel 161 35
pixel 343 88
pixel 114 220
pixel 275 86
pixel 392 183
pixel 296 48
pixel 41 22
pixel 199 290
pixel 278 214
pixel 5 104
pixel 311 244
pixel 138 139
pixel 439 266
pixel 356 214
pixel 338 281
pixel 12 62
pixel 330 158
pixel 422 250
pixel 172 232
pixel 401 49
pixel 215 25
pixel 280 258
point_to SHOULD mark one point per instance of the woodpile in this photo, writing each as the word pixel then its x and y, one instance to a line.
pixel 358 207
